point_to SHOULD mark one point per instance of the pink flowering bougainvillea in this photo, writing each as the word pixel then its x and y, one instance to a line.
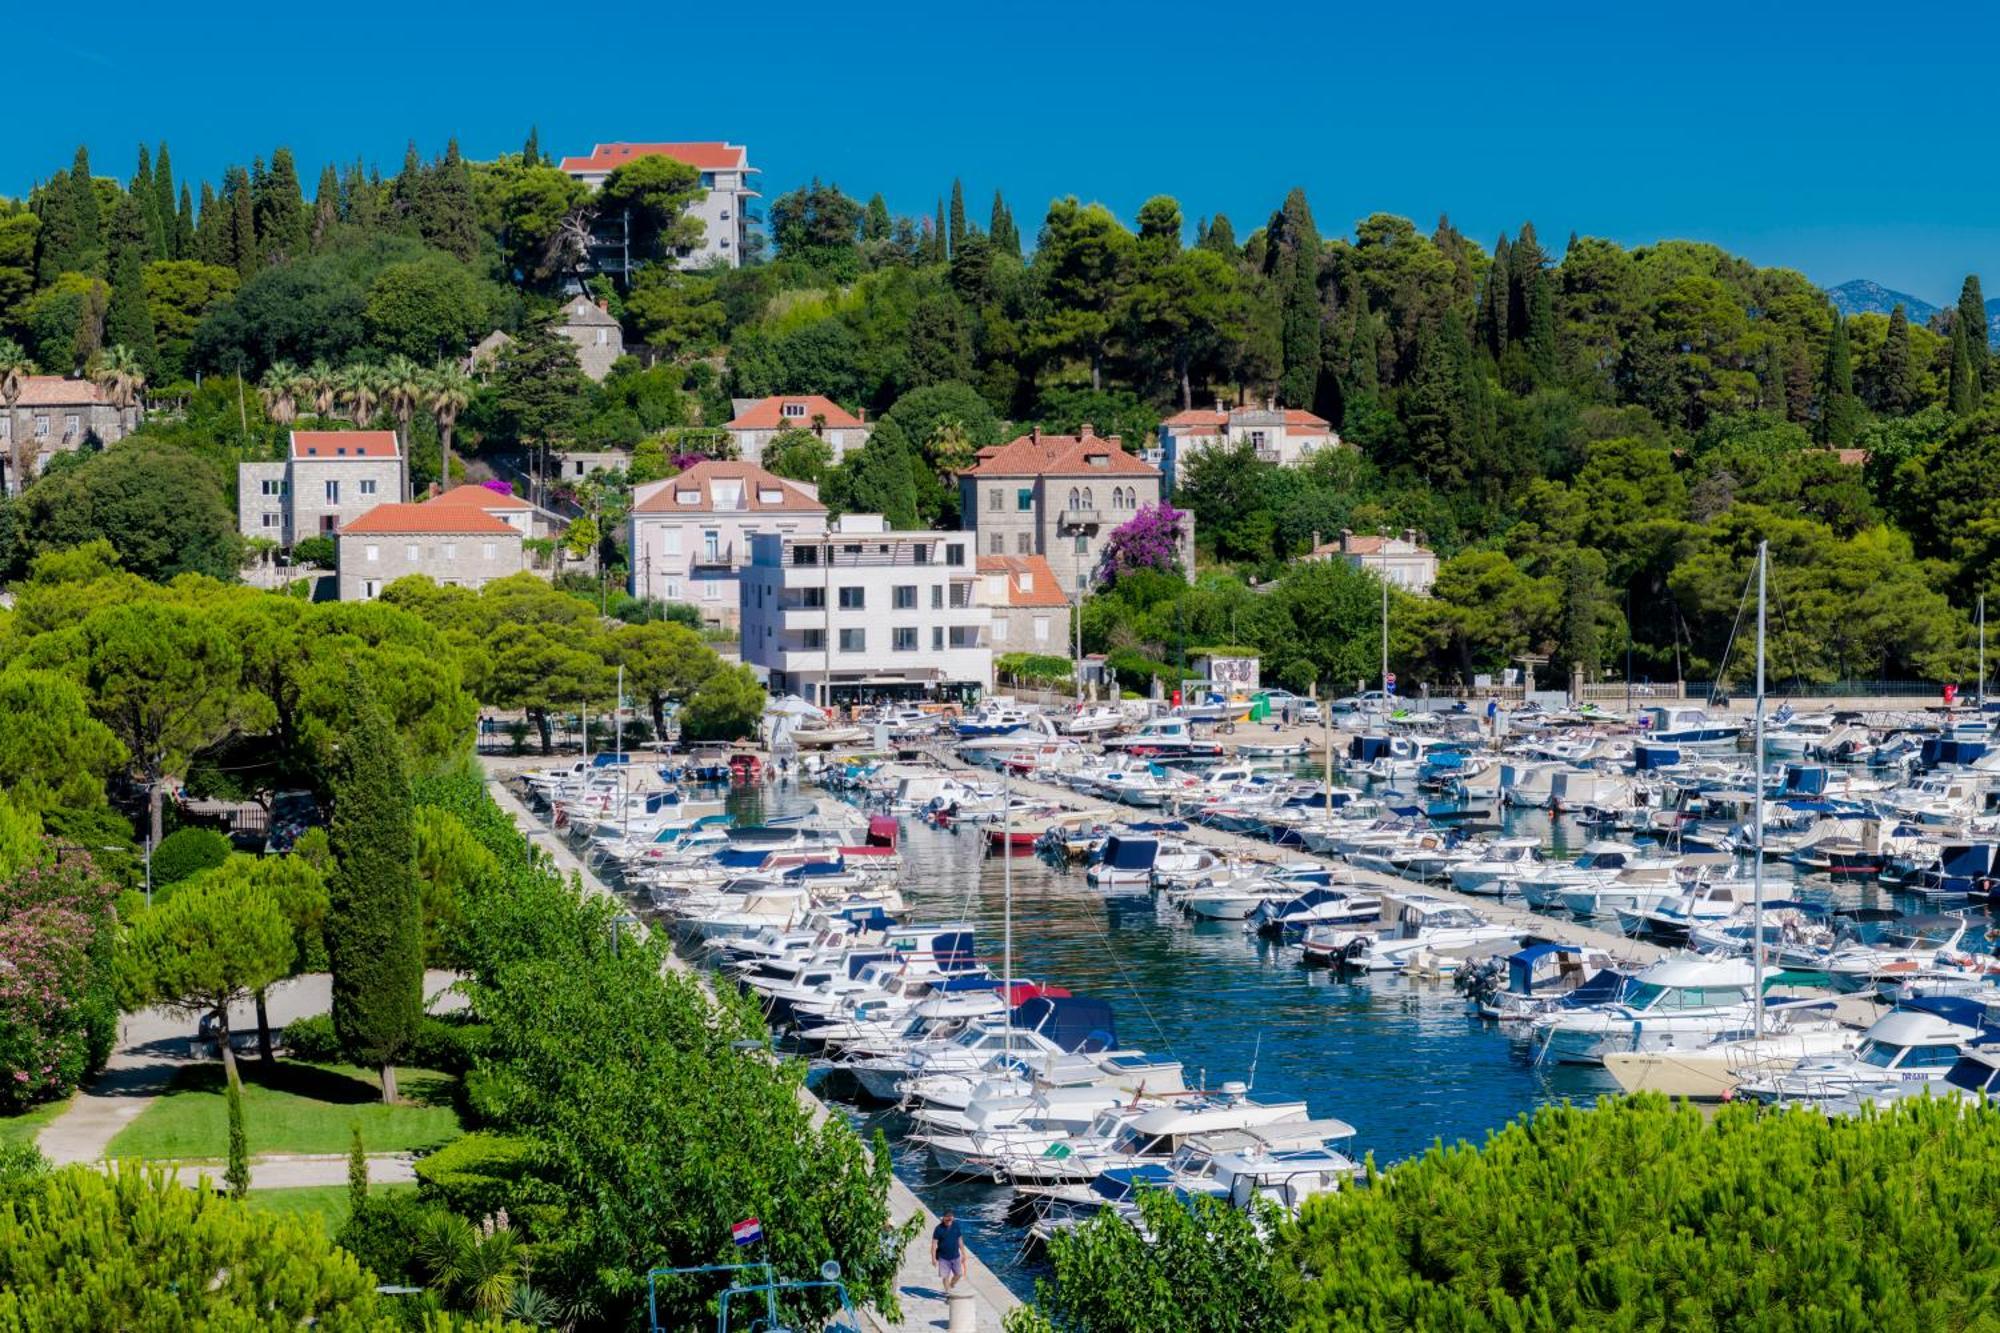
pixel 58 1012
pixel 1151 540
pixel 497 486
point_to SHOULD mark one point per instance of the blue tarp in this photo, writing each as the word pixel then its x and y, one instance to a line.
pixel 1074 1023
pixel 1807 779
pixel 1959 1009
pixel 969 982
pixel 742 858
pixel 952 951
pixel 1941 750
pixel 1655 756
pixel 1123 853
pixel 606 759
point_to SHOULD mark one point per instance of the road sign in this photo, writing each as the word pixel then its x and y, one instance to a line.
pixel 747 1232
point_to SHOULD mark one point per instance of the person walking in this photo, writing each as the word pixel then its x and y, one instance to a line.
pixel 948 1250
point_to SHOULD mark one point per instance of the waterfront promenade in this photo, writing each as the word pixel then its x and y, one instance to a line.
pixel 917 1290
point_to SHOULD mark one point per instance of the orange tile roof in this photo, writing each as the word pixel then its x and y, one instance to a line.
pixel 701 156
pixel 1213 420
pixel 344 444
pixel 483 496
pixel 1294 417
pixel 1197 416
pixel 433 520
pixel 769 413
pixel 1059 456
pixel 57 391
pixel 1045 590
pixel 665 495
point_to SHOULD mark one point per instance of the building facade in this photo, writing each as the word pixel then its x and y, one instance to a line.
pixel 599 339
pixel 1031 614
pixel 689 536
pixel 723 209
pixel 1402 562
pixel 758 421
pixel 1285 436
pixel 1060 497
pixel 525 517
pixel 327 479
pixel 455 545
pixel 862 614
pixel 60 415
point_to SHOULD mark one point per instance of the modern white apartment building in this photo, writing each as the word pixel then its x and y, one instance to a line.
pixel 725 174
pixel 862 614
pixel 1279 435
pixel 690 534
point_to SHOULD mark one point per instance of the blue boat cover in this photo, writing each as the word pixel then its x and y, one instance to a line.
pixel 1655 756
pixel 969 981
pixel 1121 853
pixel 817 869
pixel 1075 1023
pixel 952 951
pixel 1159 826
pixel 1119 1183
pixel 744 858
pixel 1943 750
pixel 1809 779
pixel 867 918
pixel 606 759
pixel 1960 1009
pixel 1604 988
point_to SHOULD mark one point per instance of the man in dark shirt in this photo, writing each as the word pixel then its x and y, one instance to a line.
pixel 948 1250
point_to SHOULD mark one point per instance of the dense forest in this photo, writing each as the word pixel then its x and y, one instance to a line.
pixel 1593 439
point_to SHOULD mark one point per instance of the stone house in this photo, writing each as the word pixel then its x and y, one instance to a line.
pixel 1285 436
pixel 599 339
pixel 1030 612
pixel 455 545
pixel 758 421
pixel 689 536
pixel 723 209
pixel 61 415
pixel 1402 562
pixel 327 479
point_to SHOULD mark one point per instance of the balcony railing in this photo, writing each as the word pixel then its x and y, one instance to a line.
pixel 721 554
pixel 1081 518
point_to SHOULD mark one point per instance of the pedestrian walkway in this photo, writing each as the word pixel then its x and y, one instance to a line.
pixel 287 1172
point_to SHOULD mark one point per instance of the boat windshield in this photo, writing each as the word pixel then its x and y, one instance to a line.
pixel 1648 996
pixel 1880 1054
pixel 1132 1143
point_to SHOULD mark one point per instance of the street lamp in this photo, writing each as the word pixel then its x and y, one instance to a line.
pixel 149 863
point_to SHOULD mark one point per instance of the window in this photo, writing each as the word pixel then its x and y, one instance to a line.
pixel 1257 439
pixel 906 639
pixel 961 595
pixel 965 636
pixel 670 542
pixel 41 425
pixel 72 425
pixel 270 520
pixel 805 555
pixel 269 486
pixel 1024 499
pixel 937 638
pixel 410 553
pixel 937 597
pixel 1024 543
pixel 904 597
pixel 603 340
pixel 579 467
pixel 920 553
pixel 1089 501
pixel 854 641
pixel 795 411
pixel 710 590
pixel 1041 629
pixel 708 180
pixel 853 599
pixel 814 640
pixel 1082 544
pixel 372 553
pixel 954 553
pixel 813 599
pixel 451 550
pixel 488 551
pixel 711 546
pixel 673 590
pixel 369 587
pixel 996 543
pixel 1075 498
pixel 368 485
pixel 333 492
pixel 995 500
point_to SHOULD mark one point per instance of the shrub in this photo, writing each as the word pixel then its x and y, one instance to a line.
pixel 187 852
pixel 382 1233
pixel 447 1045
pixel 480 1174
pixel 1135 671
pixel 1035 668
pixel 312 1039
pixel 58 1009
pixel 314 552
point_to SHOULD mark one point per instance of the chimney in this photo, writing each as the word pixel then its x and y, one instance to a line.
pixel 1346 538
pixel 1085 431
pixel 1035 434
pixel 1315 545
pixel 604 305
pixel 1270 403
pixel 861 415
pixel 1221 408
pixel 1410 536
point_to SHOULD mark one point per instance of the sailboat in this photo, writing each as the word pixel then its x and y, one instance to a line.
pixel 1777 1043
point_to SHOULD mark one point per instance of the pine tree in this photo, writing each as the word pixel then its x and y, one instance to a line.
pixel 128 321
pixel 1963 394
pixel 1222 237
pixel 1839 413
pixel 283 231
pixel 1524 262
pixel 446 214
pixel 531 151
pixel 164 214
pixel 1295 259
pixel 326 206
pixel 875 220
pixel 957 233
pixel 373 917
pixel 1899 374
pixel 1972 313
pixel 210 243
pixel 406 194
pixel 1774 387
pixel 236 1175
pixel 1541 337
pixel 141 189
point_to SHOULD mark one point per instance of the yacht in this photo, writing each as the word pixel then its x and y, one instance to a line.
pixel 1328 905
pixel 1677 1002
pixel 1498 867
pixel 1093 720
pixel 1705 901
pixel 1423 923
pixel 1690 728
pixel 1712 1072
pixel 1917 1042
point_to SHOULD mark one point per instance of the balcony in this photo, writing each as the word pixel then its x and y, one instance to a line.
pixel 1080 518
pixel 720 556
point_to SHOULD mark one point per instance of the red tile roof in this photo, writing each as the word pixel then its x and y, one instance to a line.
pixel 663 497
pixel 428 520
pixel 344 444
pixel 1059 456
pixel 701 156
pixel 1198 417
pixel 483 496
pixel 1045 591
pixel 56 391
pixel 769 413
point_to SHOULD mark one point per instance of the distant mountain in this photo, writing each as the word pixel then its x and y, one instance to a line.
pixel 1862 297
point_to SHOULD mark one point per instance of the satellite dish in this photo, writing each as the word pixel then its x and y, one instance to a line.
pixel 830 1271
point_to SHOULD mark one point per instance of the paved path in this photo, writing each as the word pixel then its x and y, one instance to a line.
pixel 917 1287
pixel 284 1171
pixel 154 1045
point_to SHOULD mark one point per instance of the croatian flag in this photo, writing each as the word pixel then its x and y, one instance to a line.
pixel 747 1232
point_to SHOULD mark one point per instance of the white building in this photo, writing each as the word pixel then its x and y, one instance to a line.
pixel 758 421
pixel 863 614
pixel 690 534
pixel 1402 562
pixel 1279 435
pixel 725 175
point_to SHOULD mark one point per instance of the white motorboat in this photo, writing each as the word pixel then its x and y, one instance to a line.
pixel 1423 923
pixel 1496 869
pixel 1917 1042
pixel 1677 1002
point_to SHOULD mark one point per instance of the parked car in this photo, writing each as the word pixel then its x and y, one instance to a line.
pixel 1368 701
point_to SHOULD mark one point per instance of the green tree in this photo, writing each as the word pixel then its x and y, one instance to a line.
pixel 1293 266
pixel 236 1172
pixel 1840 412
pixel 1899 395
pixel 727 706
pixel 676 314
pixel 800 455
pixel 956 233
pixel 1965 391
pixel 1081 266
pixel 162 508
pixel 536 387
pixel 663 663
pixel 128 320
pixel 373 925
pixel 179 293
pixel 655 191
pixel 429 310
pixel 1972 315
pixel 279 211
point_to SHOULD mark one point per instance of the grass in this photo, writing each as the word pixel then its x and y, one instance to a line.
pixel 27 1126
pixel 295 1108
pixel 328 1203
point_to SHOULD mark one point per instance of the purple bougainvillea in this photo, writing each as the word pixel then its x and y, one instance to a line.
pixel 496 485
pixel 1152 540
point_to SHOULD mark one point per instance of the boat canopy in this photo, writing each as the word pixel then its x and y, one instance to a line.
pixel 1655 756
pixel 607 759
pixel 1605 986
pixel 1806 779
pixel 1073 1022
pixel 1128 853
pixel 1522 964
pixel 1942 750
pixel 1960 1009
pixel 883 830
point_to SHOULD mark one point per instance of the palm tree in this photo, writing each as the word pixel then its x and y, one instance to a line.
pixel 280 389
pixel 448 389
pixel 15 367
pixel 480 1265
pixel 359 388
pixel 403 387
pixel 122 378
pixel 320 383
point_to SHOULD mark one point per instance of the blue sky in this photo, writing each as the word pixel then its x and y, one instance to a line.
pixel 1827 137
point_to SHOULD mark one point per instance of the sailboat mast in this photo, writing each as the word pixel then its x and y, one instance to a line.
pixel 1007 899
pixel 1982 651
pixel 1757 826
pixel 1385 637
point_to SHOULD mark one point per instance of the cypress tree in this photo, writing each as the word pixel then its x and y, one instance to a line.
pixel 1222 237
pixel 89 226
pixel 141 189
pixel 128 322
pixel 406 194
pixel 957 233
pixel 55 240
pixel 875 220
pixel 531 151
pixel 326 205
pixel 164 214
pixel 184 225
pixel 211 231
pixel 357 1171
pixel 446 215
pixel 282 227
pixel 373 914
pixel 1541 326
pixel 1899 375
pixel 1774 388
pixel 1963 395
pixel 940 250
pixel 236 1174
pixel 1493 300
pixel 1972 313
pixel 1524 262
pixel 1839 413
pixel 1295 259
pixel 239 222
pixel 1005 235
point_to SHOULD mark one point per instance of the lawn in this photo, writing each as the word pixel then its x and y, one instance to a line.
pixel 296 1108
pixel 328 1203
pixel 27 1127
